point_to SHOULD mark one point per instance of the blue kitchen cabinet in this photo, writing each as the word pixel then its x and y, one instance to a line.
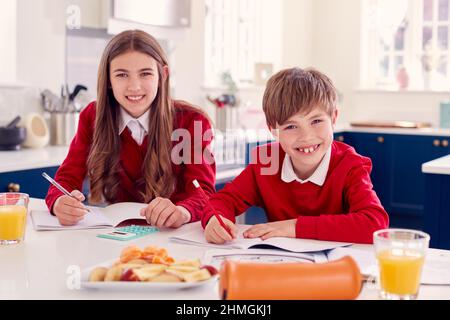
pixel 397 175
pixel 30 181
pixel 407 182
pixel 437 208
pixel 374 146
pixel 254 215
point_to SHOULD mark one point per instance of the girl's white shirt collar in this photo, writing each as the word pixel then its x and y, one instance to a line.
pixel 318 177
pixel 137 126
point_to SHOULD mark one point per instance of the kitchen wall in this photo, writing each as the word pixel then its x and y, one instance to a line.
pixel 336 45
pixel 320 33
pixel 8 44
pixel 292 20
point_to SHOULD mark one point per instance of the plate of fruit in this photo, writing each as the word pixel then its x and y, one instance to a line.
pixel 149 268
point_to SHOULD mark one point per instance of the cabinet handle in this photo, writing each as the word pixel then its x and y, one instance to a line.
pixel 380 139
pixel 340 138
pixel 13 187
pixel 444 143
pixel 436 143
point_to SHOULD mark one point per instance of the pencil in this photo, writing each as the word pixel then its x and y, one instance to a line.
pixel 218 217
pixel 61 188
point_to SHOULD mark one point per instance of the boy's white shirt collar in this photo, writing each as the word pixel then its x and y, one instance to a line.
pixel 318 177
pixel 137 126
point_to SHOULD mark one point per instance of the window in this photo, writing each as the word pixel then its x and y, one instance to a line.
pixel 232 36
pixel 405 44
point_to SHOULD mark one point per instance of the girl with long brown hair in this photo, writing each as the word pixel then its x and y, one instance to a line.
pixel 124 141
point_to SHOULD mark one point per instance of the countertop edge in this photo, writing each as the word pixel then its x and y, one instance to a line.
pixel 437 166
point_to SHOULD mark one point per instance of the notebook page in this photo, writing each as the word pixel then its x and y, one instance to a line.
pixel 123 211
pixel 197 237
pixel 301 245
pixel 43 220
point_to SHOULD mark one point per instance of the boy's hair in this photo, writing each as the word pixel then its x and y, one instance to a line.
pixel 296 90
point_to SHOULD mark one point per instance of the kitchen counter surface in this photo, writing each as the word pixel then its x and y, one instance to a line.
pixel 51 156
pixel 26 159
pixel 438 166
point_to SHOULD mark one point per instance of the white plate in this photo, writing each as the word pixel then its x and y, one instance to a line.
pixel 136 285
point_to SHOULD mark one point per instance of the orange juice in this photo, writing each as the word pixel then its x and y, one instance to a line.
pixel 12 222
pixel 400 270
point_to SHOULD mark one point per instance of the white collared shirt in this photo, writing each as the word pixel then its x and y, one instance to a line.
pixel 137 126
pixel 318 177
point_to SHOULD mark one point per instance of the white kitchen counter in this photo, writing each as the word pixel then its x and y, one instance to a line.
pixel 47 265
pixel 53 156
pixel 438 166
pixel 27 158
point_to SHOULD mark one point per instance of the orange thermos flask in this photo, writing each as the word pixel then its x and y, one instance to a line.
pixel 335 280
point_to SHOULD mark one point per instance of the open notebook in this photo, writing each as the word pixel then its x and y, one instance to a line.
pixel 115 215
pixel 197 237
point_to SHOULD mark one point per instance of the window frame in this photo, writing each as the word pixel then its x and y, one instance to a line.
pixel 237 57
pixel 413 51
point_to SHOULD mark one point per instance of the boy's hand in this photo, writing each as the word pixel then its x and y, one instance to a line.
pixel 268 230
pixel 215 233
pixel 161 212
pixel 68 210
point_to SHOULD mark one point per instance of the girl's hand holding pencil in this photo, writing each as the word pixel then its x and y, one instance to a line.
pixel 68 208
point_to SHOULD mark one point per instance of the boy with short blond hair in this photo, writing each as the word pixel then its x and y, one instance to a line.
pixel 312 187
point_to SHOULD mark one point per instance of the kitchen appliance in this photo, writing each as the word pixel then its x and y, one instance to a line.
pixel 38 133
pixel 11 136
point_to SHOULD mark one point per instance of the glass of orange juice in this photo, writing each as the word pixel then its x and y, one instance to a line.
pixel 400 254
pixel 13 217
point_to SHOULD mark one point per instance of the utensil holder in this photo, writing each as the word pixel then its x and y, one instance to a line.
pixel 63 127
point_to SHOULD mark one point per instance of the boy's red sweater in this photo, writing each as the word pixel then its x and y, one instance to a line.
pixel 345 208
pixel 73 170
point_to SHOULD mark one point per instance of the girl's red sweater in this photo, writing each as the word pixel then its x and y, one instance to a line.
pixel 72 172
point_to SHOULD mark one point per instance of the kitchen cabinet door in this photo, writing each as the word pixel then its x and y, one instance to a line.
pixel 254 215
pixel 375 147
pixel 407 194
pixel 30 181
pixel 437 210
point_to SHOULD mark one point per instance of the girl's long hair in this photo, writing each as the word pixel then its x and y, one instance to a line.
pixel 104 158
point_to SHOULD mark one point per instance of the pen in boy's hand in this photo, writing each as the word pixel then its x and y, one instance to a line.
pixel 218 217
pixel 61 188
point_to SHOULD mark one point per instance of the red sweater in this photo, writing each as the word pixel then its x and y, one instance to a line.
pixel 345 208
pixel 73 170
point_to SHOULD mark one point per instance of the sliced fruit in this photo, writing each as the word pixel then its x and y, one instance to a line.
pixel 114 273
pixel 167 277
pixel 129 275
pixel 190 263
pixel 184 269
pixel 145 274
pixel 98 274
pixel 195 276
pixel 212 271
